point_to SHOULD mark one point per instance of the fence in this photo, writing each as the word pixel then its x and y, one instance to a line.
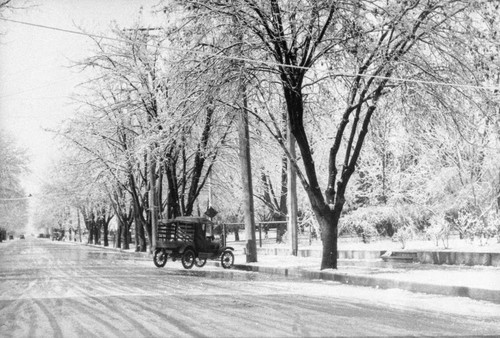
pixel 266 232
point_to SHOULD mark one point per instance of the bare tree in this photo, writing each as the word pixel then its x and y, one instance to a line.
pixel 13 199
pixel 371 40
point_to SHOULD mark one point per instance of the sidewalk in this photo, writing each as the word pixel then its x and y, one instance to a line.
pixel 476 282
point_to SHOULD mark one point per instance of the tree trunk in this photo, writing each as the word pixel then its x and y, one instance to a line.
pixel 199 162
pixel 125 236
pixel 91 233
pixel 328 221
pixel 140 239
pixel 173 207
pixel 326 217
pixel 79 225
pixel 118 236
pixel 105 233
pixel 97 232
pixel 292 196
pixel 281 228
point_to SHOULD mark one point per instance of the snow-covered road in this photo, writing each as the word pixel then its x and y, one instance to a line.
pixel 54 289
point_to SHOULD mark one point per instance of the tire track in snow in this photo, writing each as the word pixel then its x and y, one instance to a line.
pixel 57 332
pixel 176 320
pixel 117 310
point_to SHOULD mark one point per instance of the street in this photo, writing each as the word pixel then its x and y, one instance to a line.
pixel 61 289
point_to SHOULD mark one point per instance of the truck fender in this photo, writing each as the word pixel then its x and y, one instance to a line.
pixel 221 250
pixel 184 248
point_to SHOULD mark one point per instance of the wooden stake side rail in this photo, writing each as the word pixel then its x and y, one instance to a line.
pixel 174 232
pixel 185 232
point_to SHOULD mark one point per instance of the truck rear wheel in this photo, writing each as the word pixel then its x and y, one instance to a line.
pixel 199 262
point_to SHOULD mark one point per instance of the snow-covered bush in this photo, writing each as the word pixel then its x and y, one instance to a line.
pixel 474 225
pixel 492 228
pixel 403 235
pixel 465 224
pixel 368 222
pixel 495 224
pixel 369 218
pixel 439 230
pixel 361 222
pixel 410 220
pixel 308 222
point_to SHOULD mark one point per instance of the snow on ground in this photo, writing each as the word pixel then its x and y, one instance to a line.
pixel 403 299
pixel 454 244
pixel 355 243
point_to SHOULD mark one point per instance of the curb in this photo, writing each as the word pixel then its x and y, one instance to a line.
pixel 378 282
pixel 110 248
pixel 459 258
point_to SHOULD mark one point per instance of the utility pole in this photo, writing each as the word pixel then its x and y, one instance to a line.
pixel 244 154
pixel 292 191
pixel 152 185
pixel 152 199
pixel 210 189
pixel 246 175
pixel 79 225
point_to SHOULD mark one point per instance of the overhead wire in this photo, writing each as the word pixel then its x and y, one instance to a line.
pixel 253 61
pixel 36 196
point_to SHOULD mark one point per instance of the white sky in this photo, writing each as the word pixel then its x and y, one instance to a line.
pixel 35 80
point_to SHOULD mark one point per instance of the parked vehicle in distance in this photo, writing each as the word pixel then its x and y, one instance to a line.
pixel 11 237
pixel 21 237
pixel 192 240
pixel 57 234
